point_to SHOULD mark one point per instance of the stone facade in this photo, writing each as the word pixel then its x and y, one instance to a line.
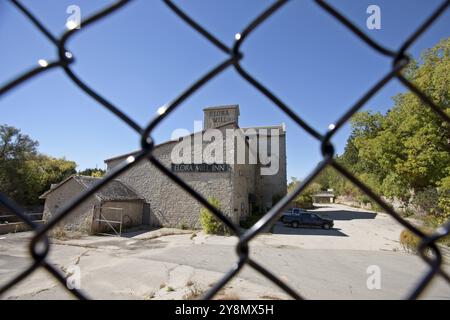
pixel 268 186
pixel 80 218
pixel 240 190
pixel 217 116
pixel 239 186
pixel 129 212
pixel 169 204
pixel 114 201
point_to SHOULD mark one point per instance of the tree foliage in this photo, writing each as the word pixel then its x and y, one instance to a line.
pixel 98 173
pixel 304 199
pixel 24 172
pixel 407 150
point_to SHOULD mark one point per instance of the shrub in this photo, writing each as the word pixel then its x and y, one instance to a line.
pixel 304 201
pixel 444 197
pixel 210 224
pixel 409 241
pixel 183 226
pixel 408 213
pixel 434 222
pixel 427 200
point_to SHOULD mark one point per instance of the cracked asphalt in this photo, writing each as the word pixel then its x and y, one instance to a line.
pixel 171 264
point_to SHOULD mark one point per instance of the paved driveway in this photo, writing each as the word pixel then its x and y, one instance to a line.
pixel 354 229
pixel 319 264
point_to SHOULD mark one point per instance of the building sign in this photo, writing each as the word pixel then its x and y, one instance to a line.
pixel 201 167
pixel 220 116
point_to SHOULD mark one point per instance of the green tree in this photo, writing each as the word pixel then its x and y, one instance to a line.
pixel 304 199
pixel 406 151
pixel 25 173
pixel 92 172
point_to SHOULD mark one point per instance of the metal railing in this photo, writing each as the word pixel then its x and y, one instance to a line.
pixel 99 221
pixel 40 245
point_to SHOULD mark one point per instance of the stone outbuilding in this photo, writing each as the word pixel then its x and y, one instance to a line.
pixel 324 197
pixel 115 202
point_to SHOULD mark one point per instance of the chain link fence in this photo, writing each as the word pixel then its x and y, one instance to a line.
pixel 39 245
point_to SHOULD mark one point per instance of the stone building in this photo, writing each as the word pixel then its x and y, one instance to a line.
pixel 324 197
pixel 241 187
pixel 115 202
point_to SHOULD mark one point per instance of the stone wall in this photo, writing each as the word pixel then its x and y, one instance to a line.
pixel 131 211
pixel 80 218
pixel 270 185
pixel 243 185
pixel 217 116
pixel 169 204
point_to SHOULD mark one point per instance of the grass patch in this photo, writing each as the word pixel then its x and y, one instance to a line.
pixel 228 296
pixel 410 242
pixel 149 296
pixel 193 294
pixel 62 234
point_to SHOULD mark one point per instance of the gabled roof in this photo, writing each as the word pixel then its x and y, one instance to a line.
pixel 114 190
pixel 133 153
pixel 282 131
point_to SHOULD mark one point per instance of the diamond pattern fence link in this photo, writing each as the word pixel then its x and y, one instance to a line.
pixel 39 246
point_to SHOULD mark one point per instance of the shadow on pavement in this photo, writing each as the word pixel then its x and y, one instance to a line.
pixel 346 214
pixel 130 233
pixel 280 228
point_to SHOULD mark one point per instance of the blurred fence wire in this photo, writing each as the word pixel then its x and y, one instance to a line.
pixel 40 245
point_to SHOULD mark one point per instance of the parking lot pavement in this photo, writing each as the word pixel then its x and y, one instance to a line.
pixel 354 229
pixel 319 264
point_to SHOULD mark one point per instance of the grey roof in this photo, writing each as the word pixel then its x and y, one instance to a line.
pixel 134 153
pixel 114 190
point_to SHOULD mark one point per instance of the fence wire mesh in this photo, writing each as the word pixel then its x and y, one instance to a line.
pixel 39 245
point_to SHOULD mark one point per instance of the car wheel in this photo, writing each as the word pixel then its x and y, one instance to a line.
pixel 295 224
pixel 326 226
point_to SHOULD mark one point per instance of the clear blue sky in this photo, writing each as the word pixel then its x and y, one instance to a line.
pixel 142 56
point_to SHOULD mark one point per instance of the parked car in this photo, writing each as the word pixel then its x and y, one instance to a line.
pixel 297 217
